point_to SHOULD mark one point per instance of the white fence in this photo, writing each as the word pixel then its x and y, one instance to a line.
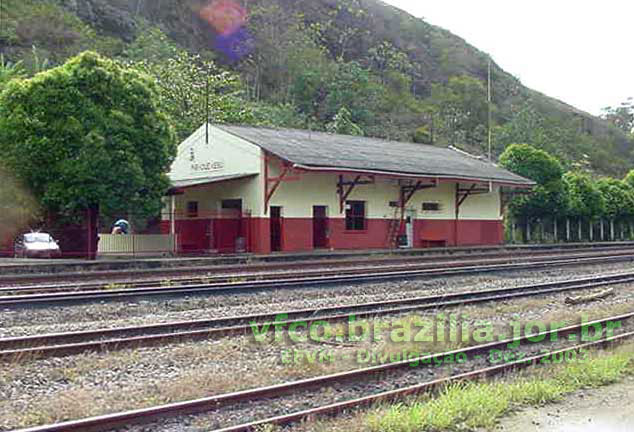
pixel 151 244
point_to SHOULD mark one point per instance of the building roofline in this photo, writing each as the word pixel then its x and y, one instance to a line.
pixel 445 178
pixel 526 183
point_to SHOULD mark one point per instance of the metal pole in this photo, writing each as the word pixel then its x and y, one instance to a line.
pixel 207 110
pixel 489 106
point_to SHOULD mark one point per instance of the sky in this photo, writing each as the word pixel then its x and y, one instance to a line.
pixel 581 52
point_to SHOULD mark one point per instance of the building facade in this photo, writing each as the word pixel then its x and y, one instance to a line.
pixel 262 190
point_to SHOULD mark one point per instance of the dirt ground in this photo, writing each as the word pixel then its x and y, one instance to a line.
pixel 606 409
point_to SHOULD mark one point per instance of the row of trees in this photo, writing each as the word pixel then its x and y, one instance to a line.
pixel 565 196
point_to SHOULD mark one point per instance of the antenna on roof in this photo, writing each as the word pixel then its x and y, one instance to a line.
pixel 489 105
pixel 207 110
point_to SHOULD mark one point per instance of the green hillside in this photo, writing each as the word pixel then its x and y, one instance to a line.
pixel 350 66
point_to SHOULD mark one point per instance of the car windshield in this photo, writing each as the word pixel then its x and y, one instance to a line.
pixel 37 237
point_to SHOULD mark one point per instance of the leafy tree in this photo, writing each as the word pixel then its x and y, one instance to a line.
pixel 85 134
pixel 183 82
pixel 461 110
pixel 283 46
pixel 618 197
pixel 9 71
pixel 354 88
pixel 152 45
pixel 342 124
pixel 629 178
pixel 322 94
pixel 277 115
pixel 549 195
pixel 386 58
pixel 585 199
pixel 622 116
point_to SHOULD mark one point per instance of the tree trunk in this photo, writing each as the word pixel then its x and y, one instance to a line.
pixel 611 229
pixel 591 231
pixel 528 231
pixel 513 231
pixel 579 228
pixel 555 230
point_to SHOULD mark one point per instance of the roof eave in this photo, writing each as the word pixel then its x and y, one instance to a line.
pixel 452 178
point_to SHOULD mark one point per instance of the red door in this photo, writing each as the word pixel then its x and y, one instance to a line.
pixel 320 227
pixel 276 229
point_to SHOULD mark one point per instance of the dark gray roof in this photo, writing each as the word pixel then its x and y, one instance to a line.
pixel 319 149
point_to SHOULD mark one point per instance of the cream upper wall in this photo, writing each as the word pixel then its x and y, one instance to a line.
pixel 225 155
pixel 297 199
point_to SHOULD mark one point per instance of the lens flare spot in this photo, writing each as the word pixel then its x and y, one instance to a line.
pixel 225 16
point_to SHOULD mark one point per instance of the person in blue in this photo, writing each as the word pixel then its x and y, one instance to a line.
pixel 121 226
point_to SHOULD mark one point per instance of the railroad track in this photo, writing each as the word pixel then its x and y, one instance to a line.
pixel 147 278
pixel 320 278
pixel 62 344
pixel 310 398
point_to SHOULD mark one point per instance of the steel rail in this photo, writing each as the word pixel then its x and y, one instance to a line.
pixel 399 394
pixel 50 299
pixel 145 415
pixel 242 271
pixel 202 273
pixel 70 343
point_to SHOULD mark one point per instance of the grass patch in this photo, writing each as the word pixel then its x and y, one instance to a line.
pixel 467 406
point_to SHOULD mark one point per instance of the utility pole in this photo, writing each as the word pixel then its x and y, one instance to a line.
pixel 489 106
pixel 207 110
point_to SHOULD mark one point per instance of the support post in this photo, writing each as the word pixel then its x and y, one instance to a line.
pixel 602 231
pixel 590 224
pixel 579 228
pixel 567 229
pixel 173 222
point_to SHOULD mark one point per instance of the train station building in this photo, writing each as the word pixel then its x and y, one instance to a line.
pixel 248 189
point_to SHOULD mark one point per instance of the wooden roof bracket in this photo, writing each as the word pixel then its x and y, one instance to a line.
pixel 271 184
pixel 345 188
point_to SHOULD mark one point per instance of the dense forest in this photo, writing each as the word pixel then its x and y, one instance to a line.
pixel 347 66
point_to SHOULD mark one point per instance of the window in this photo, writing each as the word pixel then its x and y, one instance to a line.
pixel 232 204
pixel 431 206
pixel 192 209
pixel 355 215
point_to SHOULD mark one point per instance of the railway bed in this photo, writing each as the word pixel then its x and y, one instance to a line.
pixel 61 344
pixel 321 278
pixel 309 398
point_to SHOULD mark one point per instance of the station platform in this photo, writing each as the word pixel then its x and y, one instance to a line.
pixel 15 266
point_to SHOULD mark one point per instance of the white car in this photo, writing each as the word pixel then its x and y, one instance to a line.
pixel 36 245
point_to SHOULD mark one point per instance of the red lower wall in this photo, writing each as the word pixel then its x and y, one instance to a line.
pixel 297 234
